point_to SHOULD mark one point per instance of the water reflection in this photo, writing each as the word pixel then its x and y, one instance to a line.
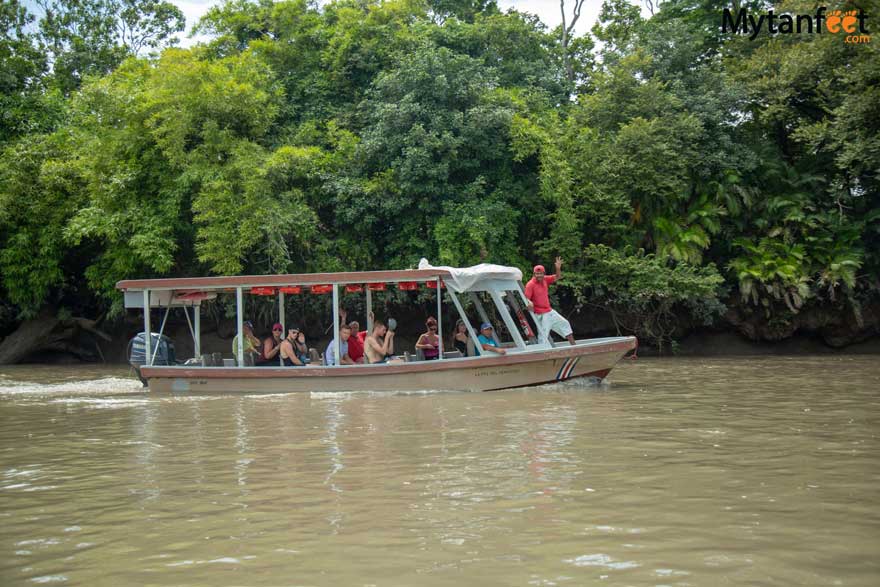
pixel 683 472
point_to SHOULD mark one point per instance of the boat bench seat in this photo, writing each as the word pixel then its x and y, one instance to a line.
pixel 212 360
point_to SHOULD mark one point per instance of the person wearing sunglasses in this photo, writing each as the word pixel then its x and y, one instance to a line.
pixel 271 347
pixel 290 348
pixel 429 342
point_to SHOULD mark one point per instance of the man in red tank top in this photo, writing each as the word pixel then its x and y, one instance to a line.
pixel 356 342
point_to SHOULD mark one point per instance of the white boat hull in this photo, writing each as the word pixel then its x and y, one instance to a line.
pixel 588 358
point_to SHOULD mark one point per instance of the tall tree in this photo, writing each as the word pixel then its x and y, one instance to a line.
pixel 24 108
pixel 92 37
pixel 566 30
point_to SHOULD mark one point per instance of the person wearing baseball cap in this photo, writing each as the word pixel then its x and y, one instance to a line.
pixel 251 342
pixel 547 319
pixel 487 341
pixel 271 347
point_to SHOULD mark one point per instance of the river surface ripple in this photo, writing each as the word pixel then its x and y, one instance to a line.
pixel 739 471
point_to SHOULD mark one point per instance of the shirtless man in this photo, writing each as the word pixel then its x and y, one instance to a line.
pixel 379 345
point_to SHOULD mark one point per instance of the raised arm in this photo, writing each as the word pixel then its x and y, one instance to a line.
pixel 388 347
pixel 301 346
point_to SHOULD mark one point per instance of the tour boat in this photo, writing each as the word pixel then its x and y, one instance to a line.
pixel 527 361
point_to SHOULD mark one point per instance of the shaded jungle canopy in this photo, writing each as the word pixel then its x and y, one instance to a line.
pixel 686 176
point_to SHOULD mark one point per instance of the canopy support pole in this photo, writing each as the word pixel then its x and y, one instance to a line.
pixel 520 315
pixel 197 329
pixel 148 335
pixel 525 301
pixel 281 314
pixel 336 341
pixel 239 325
pixel 191 329
pixel 464 318
pixel 161 331
pixel 508 320
pixel 440 318
pixel 369 310
pixel 483 315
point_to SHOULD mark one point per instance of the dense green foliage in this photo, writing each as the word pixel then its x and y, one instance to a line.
pixel 675 168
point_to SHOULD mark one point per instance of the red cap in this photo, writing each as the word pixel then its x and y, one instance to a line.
pixel 277 326
pixel 540 268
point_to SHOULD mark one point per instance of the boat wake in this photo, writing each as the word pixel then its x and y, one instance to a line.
pixel 581 383
pixel 586 383
pixel 366 393
pixel 81 387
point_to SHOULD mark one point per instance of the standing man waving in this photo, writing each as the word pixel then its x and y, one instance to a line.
pixel 546 317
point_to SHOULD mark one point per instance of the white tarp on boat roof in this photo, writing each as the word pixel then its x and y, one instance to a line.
pixel 466 278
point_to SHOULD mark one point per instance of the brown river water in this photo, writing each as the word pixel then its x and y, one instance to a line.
pixel 680 471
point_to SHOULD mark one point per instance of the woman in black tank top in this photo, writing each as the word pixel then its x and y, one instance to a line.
pixel 460 337
pixel 289 356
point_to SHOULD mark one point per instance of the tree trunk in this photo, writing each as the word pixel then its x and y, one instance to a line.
pixel 48 333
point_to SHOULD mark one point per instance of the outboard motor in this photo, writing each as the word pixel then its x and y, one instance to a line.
pixel 160 346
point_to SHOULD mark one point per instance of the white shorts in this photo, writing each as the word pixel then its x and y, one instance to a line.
pixel 554 321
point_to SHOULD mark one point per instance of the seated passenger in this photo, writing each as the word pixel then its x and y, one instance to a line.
pixel 355 343
pixel 487 343
pixel 429 342
pixel 379 346
pixel 460 337
pixel 251 343
pixel 300 347
pixel 330 353
pixel 288 352
pixel 362 335
pixel 271 347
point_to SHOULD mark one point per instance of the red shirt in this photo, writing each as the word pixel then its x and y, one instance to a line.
pixel 536 292
pixel 356 346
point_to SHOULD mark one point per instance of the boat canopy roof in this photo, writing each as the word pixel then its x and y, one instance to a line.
pixel 458 279
pixel 476 277
pixel 255 281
